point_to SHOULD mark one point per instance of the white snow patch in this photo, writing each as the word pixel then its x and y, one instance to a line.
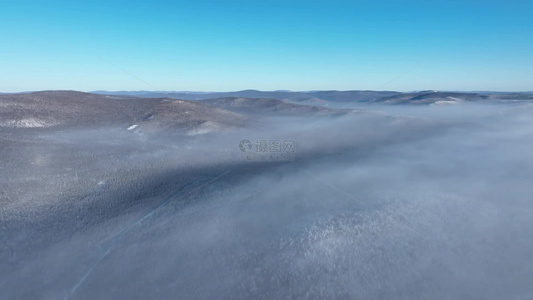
pixel 27 123
pixel 133 127
pixel 206 127
pixel 445 102
pixel 450 100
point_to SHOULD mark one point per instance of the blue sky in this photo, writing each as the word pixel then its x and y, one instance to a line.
pixel 267 45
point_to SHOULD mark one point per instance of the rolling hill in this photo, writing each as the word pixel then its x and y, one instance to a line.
pixel 71 109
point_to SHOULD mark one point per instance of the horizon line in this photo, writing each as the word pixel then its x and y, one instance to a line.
pixel 263 91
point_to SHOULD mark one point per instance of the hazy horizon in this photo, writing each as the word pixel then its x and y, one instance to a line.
pixel 267 91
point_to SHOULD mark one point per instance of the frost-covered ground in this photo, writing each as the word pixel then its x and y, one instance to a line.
pixel 435 204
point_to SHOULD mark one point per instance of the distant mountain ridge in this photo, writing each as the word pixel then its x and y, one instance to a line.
pixel 279 95
pixel 324 98
pixel 72 109
pixel 204 112
pixel 265 105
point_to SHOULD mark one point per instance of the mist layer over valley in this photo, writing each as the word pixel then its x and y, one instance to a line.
pixel 118 197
